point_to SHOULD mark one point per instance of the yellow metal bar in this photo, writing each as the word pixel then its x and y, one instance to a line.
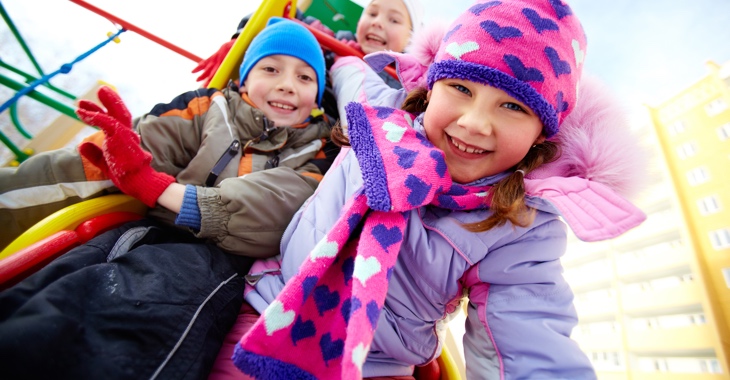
pixel 229 67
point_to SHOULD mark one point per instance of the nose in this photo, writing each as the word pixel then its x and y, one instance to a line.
pixel 285 84
pixel 378 21
pixel 476 122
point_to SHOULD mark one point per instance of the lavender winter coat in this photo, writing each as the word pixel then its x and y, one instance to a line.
pixel 519 312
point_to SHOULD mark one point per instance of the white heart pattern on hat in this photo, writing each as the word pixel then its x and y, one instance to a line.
pixel 457 50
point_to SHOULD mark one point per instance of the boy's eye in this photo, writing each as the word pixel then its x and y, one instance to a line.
pixel 514 107
pixel 395 21
pixel 461 88
pixel 306 78
pixel 268 69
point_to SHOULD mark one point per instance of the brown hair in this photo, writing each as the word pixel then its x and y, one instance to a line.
pixel 508 195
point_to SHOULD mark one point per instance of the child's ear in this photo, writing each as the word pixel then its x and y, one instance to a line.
pixel 539 140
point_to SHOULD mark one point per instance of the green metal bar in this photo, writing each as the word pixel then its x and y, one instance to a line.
pixel 58 106
pixel 19 154
pixel 16 121
pixel 20 39
pixel 29 78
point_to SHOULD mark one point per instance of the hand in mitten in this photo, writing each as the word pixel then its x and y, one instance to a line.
pixel 210 65
pixel 121 157
pixel 351 43
pixel 316 24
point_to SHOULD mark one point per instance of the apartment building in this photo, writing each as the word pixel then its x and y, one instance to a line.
pixel 655 303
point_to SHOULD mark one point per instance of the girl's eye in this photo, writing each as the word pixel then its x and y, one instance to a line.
pixel 394 21
pixel 461 88
pixel 306 78
pixel 268 69
pixel 514 107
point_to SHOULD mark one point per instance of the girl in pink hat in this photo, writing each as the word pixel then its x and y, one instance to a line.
pixel 457 192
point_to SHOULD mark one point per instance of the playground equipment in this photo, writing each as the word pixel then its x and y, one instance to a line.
pixel 41 79
pixel 74 225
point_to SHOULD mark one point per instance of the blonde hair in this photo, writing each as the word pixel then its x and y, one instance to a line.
pixel 508 195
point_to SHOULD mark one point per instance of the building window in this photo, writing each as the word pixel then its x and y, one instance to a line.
pixel 677 127
pixel 715 107
pixel 607 361
pixel 710 366
pixel 723 132
pixel 687 150
pixel 660 365
pixel 709 205
pixel 674 366
pixel 726 276
pixel 720 238
pixel 698 176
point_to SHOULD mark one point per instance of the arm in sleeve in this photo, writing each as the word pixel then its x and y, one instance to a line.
pixel 45 183
pixel 520 312
pixel 354 81
pixel 248 215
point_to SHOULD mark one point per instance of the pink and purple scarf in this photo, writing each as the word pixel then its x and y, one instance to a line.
pixel 320 326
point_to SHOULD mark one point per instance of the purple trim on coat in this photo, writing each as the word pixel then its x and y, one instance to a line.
pixel 368 155
pixel 495 78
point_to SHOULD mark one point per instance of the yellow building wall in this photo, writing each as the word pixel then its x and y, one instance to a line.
pixel 689 107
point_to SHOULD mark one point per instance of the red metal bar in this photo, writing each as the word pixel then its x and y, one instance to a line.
pixel 131 27
pixel 339 47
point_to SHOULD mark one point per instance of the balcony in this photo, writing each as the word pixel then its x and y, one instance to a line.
pixel 688 338
pixel 599 342
pixel 644 302
pixel 629 266
pixel 661 376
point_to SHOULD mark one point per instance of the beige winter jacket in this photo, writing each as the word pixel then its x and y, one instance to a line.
pixel 244 212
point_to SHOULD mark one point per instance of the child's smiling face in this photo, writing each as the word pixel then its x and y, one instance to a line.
pixel 283 87
pixel 481 129
pixel 384 25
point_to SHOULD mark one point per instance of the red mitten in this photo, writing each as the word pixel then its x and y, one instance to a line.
pixel 121 157
pixel 210 65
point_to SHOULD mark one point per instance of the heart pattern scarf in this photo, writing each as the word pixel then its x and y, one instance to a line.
pixel 322 323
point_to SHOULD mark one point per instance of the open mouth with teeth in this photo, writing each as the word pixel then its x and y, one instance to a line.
pixel 465 148
pixel 375 39
pixel 283 106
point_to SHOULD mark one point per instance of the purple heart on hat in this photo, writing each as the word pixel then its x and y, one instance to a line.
pixel 499 33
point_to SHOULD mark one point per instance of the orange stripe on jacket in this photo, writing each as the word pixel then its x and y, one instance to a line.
pixel 196 107
pixel 245 166
pixel 316 176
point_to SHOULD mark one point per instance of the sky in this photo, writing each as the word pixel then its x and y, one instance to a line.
pixel 644 50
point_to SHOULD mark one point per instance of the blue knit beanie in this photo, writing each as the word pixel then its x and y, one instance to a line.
pixel 286 37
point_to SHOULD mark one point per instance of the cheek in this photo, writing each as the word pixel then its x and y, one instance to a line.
pixel 362 26
pixel 431 124
pixel 398 38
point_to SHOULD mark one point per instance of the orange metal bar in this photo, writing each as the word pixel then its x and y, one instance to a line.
pixel 131 27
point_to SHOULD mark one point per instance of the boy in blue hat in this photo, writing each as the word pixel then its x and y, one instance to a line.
pixel 198 147
pixel 228 167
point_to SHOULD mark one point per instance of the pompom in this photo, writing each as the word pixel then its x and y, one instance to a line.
pixel 597 143
pixel 425 43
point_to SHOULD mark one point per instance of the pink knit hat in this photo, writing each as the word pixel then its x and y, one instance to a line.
pixel 531 49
